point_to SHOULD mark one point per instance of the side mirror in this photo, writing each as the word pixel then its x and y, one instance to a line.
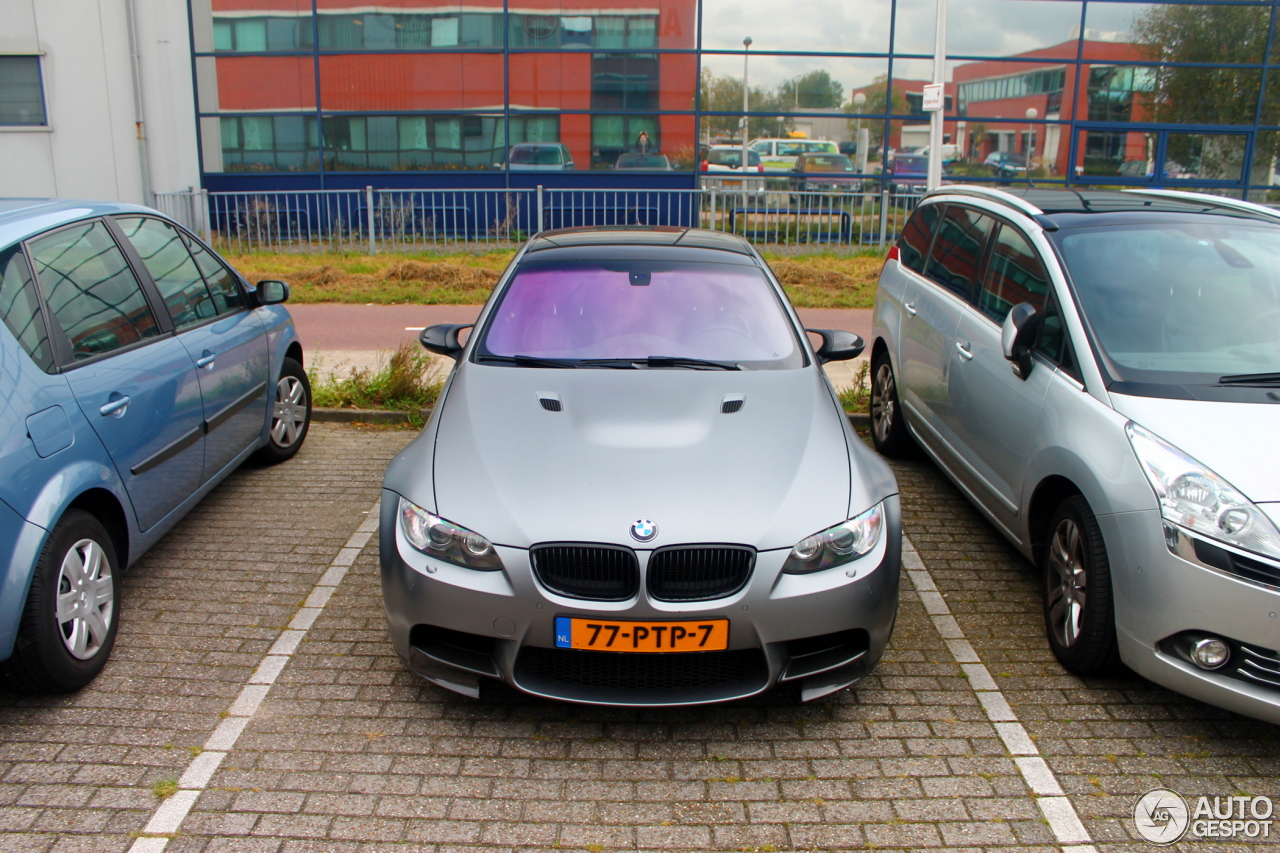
pixel 1016 336
pixel 838 345
pixel 272 292
pixel 443 338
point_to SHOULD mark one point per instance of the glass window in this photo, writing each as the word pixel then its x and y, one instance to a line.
pixel 409 81
pixel 561 80
pixel 20 308
pixel 176 276
pixel 817 27
pixel 957 250
pixel 612 136
pixel 91 291
pixel 233 83
pixel 21 92
pixel 269 143
pixel 222 282
pixel 1015 275
pixel 913 245
pixel 1217 32
pixel 1053 334
pixel 995 28
pixel 578 311
pixel 672 27
pixel 621 81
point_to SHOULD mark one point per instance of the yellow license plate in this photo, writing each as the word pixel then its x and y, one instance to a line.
pixel 607 635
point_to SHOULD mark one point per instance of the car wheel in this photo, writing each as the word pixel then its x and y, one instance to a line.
pixel 888 421
pixel 1079 614
pixel 290 414
pixel 69 623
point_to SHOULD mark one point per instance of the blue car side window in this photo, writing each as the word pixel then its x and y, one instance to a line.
pixel 174 272
pixel 20 308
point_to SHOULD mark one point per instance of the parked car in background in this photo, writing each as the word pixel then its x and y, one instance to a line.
pixel 908 173
pixel 539 157
pixel 1006 164
pixel 824 173
pixel 779 155
pixel 722 169
pixel 643 162
pixel 138 371
pixel 1099 372
pixel 637 487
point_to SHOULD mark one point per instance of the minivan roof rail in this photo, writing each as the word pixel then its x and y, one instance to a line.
pixel 1213 200
pixel 990 193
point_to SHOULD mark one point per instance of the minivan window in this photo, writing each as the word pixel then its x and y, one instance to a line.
pixel 1014 275
pixel 20 308
pixel 957 250
pixel 176 276
pixel 1181 302
pixel 221 281
pixel 913 245
pixel 91 291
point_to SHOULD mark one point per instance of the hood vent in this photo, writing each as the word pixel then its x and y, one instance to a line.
pixel 732 403
pixel 549 401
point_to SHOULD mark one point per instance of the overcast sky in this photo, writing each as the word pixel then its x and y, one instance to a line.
pixel 974 27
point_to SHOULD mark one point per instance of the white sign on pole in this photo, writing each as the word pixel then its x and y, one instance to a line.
pixel 932 97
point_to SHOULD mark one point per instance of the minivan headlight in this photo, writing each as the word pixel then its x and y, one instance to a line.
pixel 837 545
pixel 446 541
pixel 1196 498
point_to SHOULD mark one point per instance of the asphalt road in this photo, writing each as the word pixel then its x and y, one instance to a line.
pixel 328 327
pixel 253 704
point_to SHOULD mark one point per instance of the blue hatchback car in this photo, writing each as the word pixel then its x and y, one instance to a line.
pixel 137 370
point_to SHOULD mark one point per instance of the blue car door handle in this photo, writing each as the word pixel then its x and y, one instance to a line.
pixel 206 359
pixel 115 406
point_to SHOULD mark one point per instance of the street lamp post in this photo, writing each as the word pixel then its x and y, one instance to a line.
pixel 746 46
pixel 1031 135
pixel 860 100
pixel 934 174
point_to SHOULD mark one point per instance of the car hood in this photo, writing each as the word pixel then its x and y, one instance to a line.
pixel 641 444
pixel 1233 439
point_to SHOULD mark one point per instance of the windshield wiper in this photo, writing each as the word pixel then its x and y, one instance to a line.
pixel 527 361
pixel 1250 379
pixel 663 361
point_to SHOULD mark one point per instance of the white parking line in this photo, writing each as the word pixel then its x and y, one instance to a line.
pixel 169 815
pixel 1050 798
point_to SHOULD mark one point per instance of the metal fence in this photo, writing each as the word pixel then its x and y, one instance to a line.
pixel 375 220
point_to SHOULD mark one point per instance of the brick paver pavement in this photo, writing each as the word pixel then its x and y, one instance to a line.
pixel 350 752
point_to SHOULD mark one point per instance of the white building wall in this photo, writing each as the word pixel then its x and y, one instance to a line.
pixel 90 148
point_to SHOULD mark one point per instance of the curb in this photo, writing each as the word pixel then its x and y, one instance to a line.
pixel 388 416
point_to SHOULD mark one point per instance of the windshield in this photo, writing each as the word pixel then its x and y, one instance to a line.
pixel 540 155
pixel 1180 303
pixel 827 163
pixel 638 309
pixel 732 157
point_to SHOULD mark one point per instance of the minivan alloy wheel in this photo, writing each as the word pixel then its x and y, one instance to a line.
pixel 290 412
pixel 1067 597
pixel 86 599
pixel 883 402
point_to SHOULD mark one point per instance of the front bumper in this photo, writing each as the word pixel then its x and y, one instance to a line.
pixel 457 626
pixel 1162 598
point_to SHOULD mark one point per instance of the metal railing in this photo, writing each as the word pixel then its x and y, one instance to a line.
pixel 374 220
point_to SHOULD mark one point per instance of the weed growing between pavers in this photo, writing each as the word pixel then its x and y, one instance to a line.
pixel 405 382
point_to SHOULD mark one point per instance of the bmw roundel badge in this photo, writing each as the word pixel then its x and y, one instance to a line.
pixel 643 530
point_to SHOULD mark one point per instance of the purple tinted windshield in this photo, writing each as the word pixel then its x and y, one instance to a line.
pixel 720 312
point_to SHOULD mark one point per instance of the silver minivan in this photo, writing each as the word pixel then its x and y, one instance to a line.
pixel 1099 372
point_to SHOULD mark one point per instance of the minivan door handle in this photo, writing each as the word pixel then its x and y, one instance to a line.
pixel 911 309
pixel 207 359
pixel 962 347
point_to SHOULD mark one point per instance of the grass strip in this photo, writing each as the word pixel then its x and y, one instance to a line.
pixel 405 382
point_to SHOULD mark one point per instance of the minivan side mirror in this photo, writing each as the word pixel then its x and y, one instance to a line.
pixel 443 338
pixel 837 345
pixel 272 292
pixel 1016 336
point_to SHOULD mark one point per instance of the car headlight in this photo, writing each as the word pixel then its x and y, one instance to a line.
pixel 837 545
pixel 1194 497
pixel 446 541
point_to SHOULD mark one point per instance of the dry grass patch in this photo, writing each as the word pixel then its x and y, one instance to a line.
pixel 812 281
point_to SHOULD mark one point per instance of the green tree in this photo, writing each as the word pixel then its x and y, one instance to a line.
pixel 813 91
pixel 724 94
pixel 878 102
pixel 1223 95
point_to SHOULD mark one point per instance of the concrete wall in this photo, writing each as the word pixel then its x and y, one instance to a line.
pixel 90 146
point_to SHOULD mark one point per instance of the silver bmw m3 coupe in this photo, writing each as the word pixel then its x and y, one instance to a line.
pixel 638 487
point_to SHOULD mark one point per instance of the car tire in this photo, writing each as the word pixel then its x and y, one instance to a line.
pixel 1079 611
pixel 888 420
pixel 69 623
pixel 290 414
